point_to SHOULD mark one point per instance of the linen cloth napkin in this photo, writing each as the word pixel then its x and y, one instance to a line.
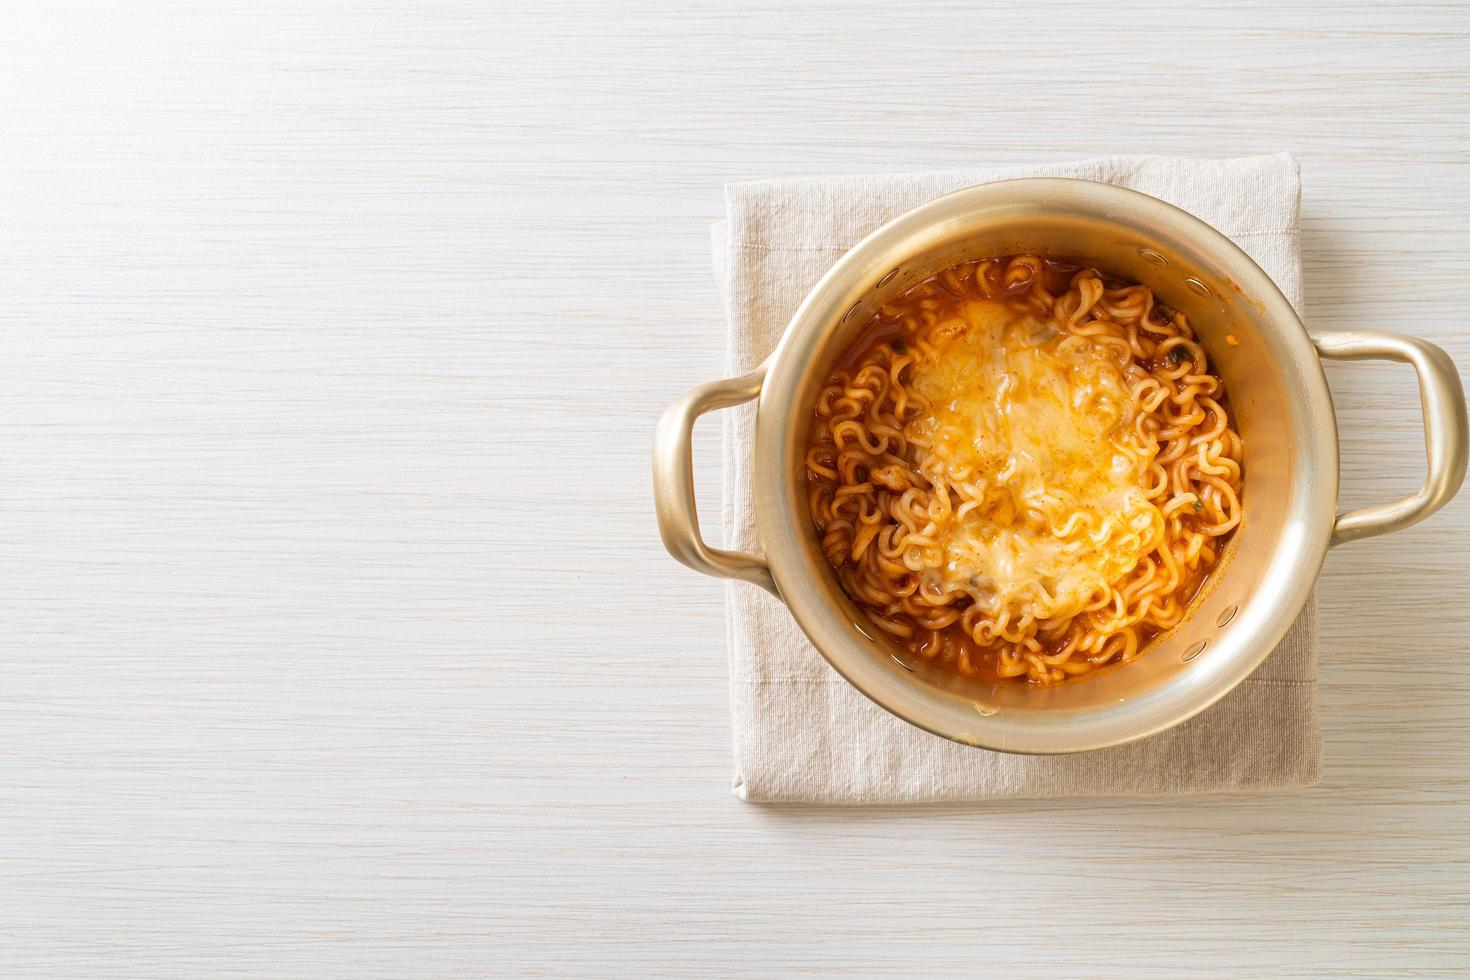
pixel 802 734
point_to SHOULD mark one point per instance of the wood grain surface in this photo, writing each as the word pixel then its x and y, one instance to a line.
pixel 336 638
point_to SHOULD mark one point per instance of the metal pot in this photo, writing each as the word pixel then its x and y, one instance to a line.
pixel 1281 406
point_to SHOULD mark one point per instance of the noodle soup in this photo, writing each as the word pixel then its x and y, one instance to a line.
pixel 1023 469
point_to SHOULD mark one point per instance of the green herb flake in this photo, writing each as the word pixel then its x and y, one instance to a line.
pixel 1179 354
pixel 1198 503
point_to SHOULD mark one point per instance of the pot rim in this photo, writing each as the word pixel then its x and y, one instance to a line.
pixel 1293 567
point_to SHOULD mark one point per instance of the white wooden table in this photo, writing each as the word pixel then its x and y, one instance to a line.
pixel 336 638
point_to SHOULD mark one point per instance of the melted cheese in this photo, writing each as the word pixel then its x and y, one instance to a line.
pixel 1033 428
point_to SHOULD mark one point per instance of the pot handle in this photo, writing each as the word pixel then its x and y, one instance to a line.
pixel 673 483
pixel 1445 428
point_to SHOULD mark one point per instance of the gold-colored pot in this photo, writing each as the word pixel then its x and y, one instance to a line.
pixel 1279 398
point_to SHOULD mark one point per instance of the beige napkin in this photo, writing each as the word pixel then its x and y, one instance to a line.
pixel 802 734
